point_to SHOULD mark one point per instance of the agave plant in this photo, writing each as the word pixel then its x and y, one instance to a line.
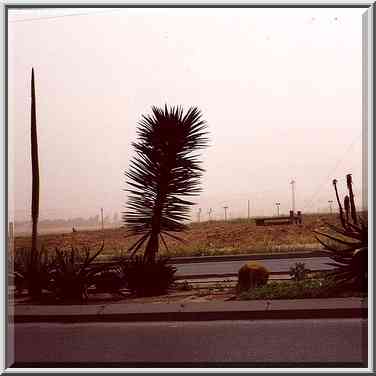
pixel 347 245
pixel 32 270
pixel 74 272
pixel 164 172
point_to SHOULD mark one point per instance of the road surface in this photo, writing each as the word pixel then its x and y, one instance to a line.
pixel 263 341
pixel 227 267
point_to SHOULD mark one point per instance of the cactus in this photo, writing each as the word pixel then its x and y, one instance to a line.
pixel 252 275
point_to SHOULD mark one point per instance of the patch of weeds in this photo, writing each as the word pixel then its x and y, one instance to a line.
pixel 184 286
pixel 310 288
pixel 204 292
pixel 299 272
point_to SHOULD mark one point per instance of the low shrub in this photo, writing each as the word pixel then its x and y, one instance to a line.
pixel 298 272
pixel 149 278
pixel 110 280
pixel 184 286
pixel 252 275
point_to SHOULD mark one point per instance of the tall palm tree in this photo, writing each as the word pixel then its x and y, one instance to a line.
pixel 163 173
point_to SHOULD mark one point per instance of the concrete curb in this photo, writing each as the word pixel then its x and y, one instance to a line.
pixel 186 260
pixel 208 311
pixel 228 275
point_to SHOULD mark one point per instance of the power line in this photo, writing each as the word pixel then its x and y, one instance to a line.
pixel 61 16
pixel 309 202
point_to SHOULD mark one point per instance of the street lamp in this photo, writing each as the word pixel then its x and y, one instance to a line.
pixel 225 207
pixel 210 213
pixel 330 205
pixel 277 204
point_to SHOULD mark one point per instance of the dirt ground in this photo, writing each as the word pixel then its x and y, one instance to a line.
pixel 206 238
pixel 174 296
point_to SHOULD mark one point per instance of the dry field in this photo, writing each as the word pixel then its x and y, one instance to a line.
pixel 205 238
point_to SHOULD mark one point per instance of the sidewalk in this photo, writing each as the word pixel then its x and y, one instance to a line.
pixel 231 310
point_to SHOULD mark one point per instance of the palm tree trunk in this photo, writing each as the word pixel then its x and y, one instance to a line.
pixel 152 247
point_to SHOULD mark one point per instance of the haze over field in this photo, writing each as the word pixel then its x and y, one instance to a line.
pixel 281 90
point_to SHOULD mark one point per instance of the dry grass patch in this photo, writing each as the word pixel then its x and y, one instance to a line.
pixel 206 238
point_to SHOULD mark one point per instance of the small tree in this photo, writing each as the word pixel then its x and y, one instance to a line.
pixel 163 172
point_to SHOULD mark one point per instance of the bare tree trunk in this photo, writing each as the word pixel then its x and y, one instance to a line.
pixel 35 169
pixel 34 288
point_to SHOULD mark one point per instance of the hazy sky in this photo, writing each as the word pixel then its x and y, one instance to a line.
pixel 281 91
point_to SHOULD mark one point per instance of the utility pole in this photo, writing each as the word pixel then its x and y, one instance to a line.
pixel 199 215
pixel 277 204
pixel 293 194
pixel 225 207
pixel 248 210
pixel 209 213
pixel 330 206
pixel 11 238
pixel 102 219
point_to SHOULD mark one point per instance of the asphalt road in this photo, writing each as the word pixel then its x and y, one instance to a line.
pixel 227 267
pixel 279 341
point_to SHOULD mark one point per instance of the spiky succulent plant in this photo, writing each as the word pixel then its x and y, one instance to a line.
pixel 347 245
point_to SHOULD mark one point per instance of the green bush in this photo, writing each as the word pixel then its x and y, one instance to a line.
pixel 252 275
pixel 149 278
